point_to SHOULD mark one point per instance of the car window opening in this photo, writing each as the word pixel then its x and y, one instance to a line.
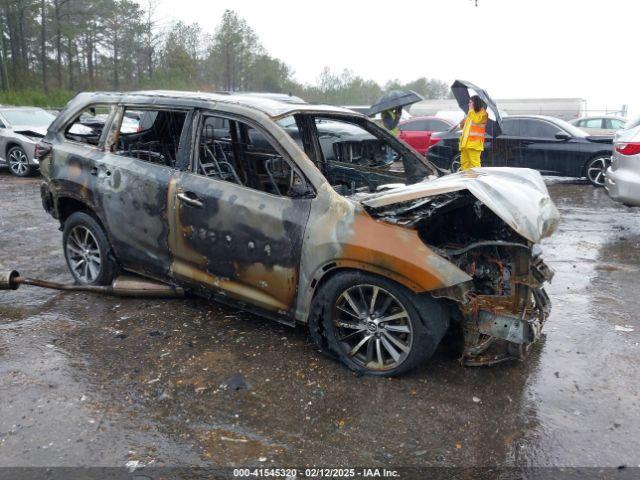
pixel 87 126
pixel 233 151
pixel 151 135
pixel 353 158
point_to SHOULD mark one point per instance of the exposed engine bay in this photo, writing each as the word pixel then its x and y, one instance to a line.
pixel 502 309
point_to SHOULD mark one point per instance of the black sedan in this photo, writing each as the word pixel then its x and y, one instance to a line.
pixel 549 145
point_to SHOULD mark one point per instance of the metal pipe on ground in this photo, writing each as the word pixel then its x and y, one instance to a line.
pixel 123 286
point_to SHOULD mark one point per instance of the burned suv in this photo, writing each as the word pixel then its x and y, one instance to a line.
pixel 236 199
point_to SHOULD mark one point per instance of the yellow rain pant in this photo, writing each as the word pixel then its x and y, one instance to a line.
pixel 469 158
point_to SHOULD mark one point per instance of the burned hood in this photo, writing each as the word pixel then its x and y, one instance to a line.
pixel 517 195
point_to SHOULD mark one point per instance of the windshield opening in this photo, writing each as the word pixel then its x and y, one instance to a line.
pixel 354 154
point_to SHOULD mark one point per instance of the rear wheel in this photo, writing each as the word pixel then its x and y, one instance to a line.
pixel 373 325
pixel 19 162
pixel 596 168
pixel 87 250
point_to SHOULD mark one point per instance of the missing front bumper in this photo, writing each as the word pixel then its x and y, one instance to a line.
pixel 494 336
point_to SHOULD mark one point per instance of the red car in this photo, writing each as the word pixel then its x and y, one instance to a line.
pixel 417 131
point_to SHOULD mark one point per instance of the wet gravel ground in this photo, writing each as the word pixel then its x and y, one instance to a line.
pixel 91 380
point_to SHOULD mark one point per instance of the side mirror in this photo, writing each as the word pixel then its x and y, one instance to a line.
pixel 563 135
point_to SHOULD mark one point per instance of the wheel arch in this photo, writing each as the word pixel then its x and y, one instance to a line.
pixel 432 316
pixel 601 153
pixel 11 144
pixel 67 205
pixel 331 269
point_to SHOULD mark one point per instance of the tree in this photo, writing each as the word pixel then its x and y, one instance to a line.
pixel 234 50
pixel 181 57
pixel 428 88
pixel 51 48
pixel 122 29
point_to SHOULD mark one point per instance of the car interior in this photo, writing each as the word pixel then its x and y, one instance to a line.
pixel 352 158
pixel 233 151
pixel 156 138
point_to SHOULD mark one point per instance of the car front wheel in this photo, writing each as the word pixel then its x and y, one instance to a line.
pixel 87 250
pixel 596 168
pixel 374 327
pixel 19 162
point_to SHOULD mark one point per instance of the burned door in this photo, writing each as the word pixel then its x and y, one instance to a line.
pixel 133 178
pixel 239 217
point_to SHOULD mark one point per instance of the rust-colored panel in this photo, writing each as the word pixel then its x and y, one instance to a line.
pixel 393 248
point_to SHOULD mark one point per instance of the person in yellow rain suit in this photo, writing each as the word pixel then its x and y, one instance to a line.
pixel 474 129
pixel 391 119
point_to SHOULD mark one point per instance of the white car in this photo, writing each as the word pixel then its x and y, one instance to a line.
pixel 599 125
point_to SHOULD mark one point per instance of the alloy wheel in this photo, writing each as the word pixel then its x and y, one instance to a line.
pixel 373 327
pixel 596 170
pixel 18 162
pixel 83 254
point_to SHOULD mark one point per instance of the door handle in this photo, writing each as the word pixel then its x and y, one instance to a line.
pixel 191 201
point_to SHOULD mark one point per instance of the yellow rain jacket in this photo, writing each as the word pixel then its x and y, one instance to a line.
pixel 474 130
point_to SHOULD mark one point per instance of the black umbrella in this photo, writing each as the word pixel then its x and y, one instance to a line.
pixel 394 99
pixel 461 92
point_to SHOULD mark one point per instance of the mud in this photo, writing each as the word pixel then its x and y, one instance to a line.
pixel 91 380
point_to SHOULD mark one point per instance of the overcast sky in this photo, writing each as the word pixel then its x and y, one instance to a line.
pixel 512 48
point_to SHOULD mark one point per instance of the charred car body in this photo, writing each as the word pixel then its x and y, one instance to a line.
pixel 379 262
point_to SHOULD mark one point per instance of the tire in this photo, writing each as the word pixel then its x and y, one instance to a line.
pixel 455 164
pixel 19 162
pixel 595 169
pixel 365 343
pixel 87 250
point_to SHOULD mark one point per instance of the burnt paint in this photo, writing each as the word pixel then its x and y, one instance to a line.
pixel 230 241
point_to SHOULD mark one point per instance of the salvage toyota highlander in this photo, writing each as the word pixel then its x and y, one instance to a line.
pixel 262 205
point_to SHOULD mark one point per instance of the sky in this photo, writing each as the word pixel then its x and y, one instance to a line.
pixel 511 48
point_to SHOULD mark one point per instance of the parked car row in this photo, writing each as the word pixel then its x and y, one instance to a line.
pixel 549 145
pixel 546 144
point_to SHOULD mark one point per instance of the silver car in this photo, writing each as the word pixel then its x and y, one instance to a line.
pixel 622 179
pixel 599 125
pixel 20 129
